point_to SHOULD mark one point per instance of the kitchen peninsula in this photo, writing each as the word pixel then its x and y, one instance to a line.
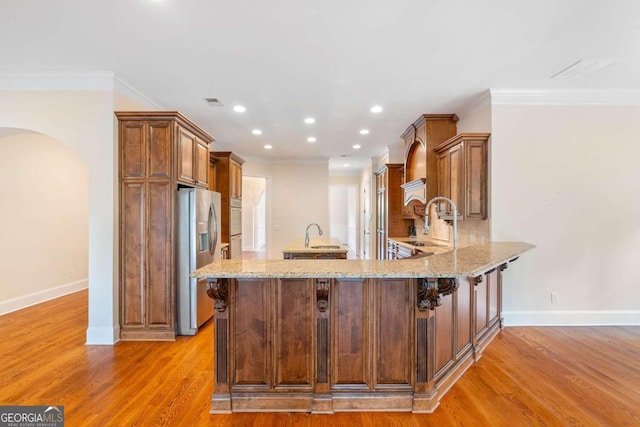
pixel 324 336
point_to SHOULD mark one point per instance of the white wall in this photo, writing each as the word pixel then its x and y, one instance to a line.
pixel 566 178
pixel 43 220
pixel 83 120
pixel 297 194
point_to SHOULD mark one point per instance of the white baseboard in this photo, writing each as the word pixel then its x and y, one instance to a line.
pixel 28 300
pixel 571 318
pixel 103 335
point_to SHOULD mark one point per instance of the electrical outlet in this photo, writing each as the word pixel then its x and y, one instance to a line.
pixel 554 297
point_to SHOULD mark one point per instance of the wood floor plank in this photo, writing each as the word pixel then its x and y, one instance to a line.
pixel 534 376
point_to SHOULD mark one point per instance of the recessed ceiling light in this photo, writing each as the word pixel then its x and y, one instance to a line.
pixel 364 131
pixel 256 132
pixel 239 109
pixel 356 146
pixel 268 147
pixel 311 139
pixel 376 109
pixel 309 120
pixel 346 165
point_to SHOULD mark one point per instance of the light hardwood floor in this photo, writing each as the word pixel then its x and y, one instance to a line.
pixel 560 376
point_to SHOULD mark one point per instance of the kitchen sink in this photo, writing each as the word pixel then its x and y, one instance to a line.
pixel 325 247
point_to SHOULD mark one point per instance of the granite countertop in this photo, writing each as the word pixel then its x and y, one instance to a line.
pixel 465 262
pixel 297 246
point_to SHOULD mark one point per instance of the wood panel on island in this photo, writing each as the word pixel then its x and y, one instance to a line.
pixel 158 150
pixel 369 336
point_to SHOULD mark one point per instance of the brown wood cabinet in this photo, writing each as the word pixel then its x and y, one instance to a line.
pixel 157 151
pixel 462 175
pixel 225 172
pixel 389 207
pixel 420 139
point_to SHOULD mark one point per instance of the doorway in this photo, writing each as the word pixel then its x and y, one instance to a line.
pixel 254 194
pixel 343 214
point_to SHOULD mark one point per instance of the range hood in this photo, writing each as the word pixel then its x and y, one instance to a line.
pixel 415 192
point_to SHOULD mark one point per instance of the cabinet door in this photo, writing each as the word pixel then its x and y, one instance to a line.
pixel 476 179
pixel 235 179
pixel 251 344
pixel 456 178
pixel 350 360
pixel 132 254
pixel 443 180
pixel 160 281
pixel 392 331
pixel 293 361
pixel 159 143
pixel 202 163
pixel 186 150
pixel 132 150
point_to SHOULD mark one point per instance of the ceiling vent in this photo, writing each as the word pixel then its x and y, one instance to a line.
pixel 583 68
pixel 213 102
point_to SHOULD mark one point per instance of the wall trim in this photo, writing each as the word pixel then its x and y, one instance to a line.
pixel 97 80
pixel 571 318
pixel 482 100
pixel 564 97
pixel 132 93
pixel 28 300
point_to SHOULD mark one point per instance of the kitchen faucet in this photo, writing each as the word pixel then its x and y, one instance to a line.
pixel 306 233
pixel 455 218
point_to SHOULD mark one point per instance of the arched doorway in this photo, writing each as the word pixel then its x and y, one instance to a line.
pixel 45 220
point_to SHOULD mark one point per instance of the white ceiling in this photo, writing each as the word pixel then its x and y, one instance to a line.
pixel 285 60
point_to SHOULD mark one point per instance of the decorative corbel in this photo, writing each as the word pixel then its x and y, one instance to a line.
pixel 322 294
pixel 218 290
pixel 431 291
pixel 477 280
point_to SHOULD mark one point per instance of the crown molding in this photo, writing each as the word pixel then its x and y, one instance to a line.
pixel 137 96
pixel 564 97
pixel 98 80
pixel 477 103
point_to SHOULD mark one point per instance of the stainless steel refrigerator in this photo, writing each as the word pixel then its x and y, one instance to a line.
pixel 198 245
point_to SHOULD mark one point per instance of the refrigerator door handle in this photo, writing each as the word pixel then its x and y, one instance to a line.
pixel 213 230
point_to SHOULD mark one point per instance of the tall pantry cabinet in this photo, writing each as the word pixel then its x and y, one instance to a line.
pixel 389 220
pixel 225 177
pixel 158 151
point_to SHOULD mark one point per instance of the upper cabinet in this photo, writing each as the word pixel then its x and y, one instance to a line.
pixel 420 139
pixel 462 175
pixel 147 139
pixel 193 159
